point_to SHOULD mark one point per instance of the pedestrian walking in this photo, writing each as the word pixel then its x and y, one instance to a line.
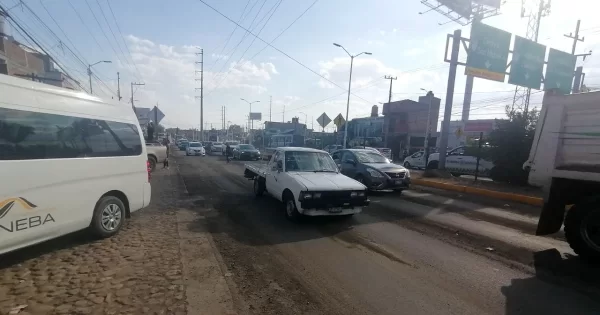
pixel 227 151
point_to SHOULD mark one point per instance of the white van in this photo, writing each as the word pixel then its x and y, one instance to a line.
pixel 68 161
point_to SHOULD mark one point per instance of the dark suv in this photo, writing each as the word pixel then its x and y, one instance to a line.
pixel 372 169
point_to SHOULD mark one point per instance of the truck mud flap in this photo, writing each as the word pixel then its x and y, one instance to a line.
pixel 551 219
pixel 249 174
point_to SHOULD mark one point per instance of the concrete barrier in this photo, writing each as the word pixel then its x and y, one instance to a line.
pixel 530 200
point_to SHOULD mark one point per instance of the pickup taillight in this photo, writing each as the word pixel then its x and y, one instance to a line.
pixel 149 170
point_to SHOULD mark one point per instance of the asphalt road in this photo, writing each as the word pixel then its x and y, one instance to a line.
pixel 422 252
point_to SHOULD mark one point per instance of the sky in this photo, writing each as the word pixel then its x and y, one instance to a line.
pixel 158 43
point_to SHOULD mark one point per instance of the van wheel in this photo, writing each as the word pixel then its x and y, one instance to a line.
pixel 109 216
pixel 406 164
pixel 432 165
pixel 582 230
pixel 259 187
pixel 152 161
pixel 291 211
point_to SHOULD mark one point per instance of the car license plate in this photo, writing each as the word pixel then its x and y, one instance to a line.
pixel 398 182
pixel 335 210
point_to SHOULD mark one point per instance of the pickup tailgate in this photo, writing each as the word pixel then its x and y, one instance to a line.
pixel 253 170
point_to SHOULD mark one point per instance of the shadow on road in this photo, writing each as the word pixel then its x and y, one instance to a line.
pixel 570 275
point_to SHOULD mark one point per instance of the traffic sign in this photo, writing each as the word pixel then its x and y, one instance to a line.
pixel 488 52
pixel 559 72
pixel 323 120
pixel 527 64
pixel 339 120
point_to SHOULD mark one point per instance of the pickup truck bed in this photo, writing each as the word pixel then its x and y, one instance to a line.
pixel 252 170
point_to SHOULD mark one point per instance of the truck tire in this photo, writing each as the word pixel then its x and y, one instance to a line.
pixel 259 187
pixel 152 161
pixel 582 230
pixel 290 209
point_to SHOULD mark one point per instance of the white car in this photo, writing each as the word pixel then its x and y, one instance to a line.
pixel 308 182
pixel 457 163
pixel 416 160
pixel 216 147
pixel 195 148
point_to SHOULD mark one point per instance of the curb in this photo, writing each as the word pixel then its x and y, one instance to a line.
pixel 529 200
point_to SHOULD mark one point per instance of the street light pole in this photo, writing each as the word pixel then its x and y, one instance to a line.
pixel 349 87
pixel 250 120
pixel 428 128
pixel 89 70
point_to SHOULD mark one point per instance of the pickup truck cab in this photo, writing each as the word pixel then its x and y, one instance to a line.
pixel 308 183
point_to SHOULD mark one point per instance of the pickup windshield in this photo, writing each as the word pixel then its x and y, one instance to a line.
pixel 298 161
pixel 370 157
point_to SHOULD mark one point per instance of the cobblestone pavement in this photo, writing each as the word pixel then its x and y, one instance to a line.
pixel 138 271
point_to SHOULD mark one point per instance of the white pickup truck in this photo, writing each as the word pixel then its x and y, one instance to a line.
pixel 565 161
pixel 308 182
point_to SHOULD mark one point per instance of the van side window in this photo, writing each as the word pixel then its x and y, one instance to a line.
pixel 26 135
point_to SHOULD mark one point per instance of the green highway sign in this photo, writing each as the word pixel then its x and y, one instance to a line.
pixel 488 52
pixel 527 64
pixel 559 72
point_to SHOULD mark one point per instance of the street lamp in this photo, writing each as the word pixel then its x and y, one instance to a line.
pixel 90 71
pixel 250 118
pixel 428 127
pixel 349 86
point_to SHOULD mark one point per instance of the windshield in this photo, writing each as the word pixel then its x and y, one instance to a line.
pixel 194 144
pixel 246 147
pixel 232 143
pixel 217 143
pixel 370 157
pixel 297 161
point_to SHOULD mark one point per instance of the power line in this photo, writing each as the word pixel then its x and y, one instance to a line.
pixel 123 38
pixel 33 40
pixel 84 24
pixel 279 50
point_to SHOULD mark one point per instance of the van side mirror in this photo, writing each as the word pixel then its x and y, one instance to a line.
pixel 279 166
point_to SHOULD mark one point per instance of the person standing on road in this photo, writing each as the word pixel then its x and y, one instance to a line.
pixel 227 151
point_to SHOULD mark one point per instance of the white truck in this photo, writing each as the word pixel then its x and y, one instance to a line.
pixel 308 183
pixel 565 161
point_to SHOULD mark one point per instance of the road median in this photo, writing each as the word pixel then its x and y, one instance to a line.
pixel 529 200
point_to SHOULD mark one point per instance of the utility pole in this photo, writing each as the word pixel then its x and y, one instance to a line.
pixel 579 75
pixel 456 38
pixel 201 63
pixel 283 117
pixel 132 102
pixel 389 77
pixel 119 86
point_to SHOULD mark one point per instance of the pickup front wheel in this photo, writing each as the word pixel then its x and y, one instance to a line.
pixel 291 211
pixel 259 187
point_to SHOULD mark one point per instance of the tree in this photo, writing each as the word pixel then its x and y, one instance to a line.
pixel 510 145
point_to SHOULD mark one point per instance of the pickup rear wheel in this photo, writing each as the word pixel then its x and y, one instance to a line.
pixel 291 211
pixel 582 230
pixel 152 161
pixel 259 187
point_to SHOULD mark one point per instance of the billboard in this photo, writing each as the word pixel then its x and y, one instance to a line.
pixel 255 116
pixel 461 7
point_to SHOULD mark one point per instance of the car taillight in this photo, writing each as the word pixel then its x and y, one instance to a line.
pixel 149 170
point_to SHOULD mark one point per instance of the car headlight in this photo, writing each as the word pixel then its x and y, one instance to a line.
pixel 374 172
pixel 307 195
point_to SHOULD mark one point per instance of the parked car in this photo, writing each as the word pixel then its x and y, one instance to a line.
pixel 372 169
pixel 216 147
pixel 195 148
pixel 417 160
pixel 246 152
pixel 332 148
pixel 183 145
pixel 69 161
pixel 458 163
